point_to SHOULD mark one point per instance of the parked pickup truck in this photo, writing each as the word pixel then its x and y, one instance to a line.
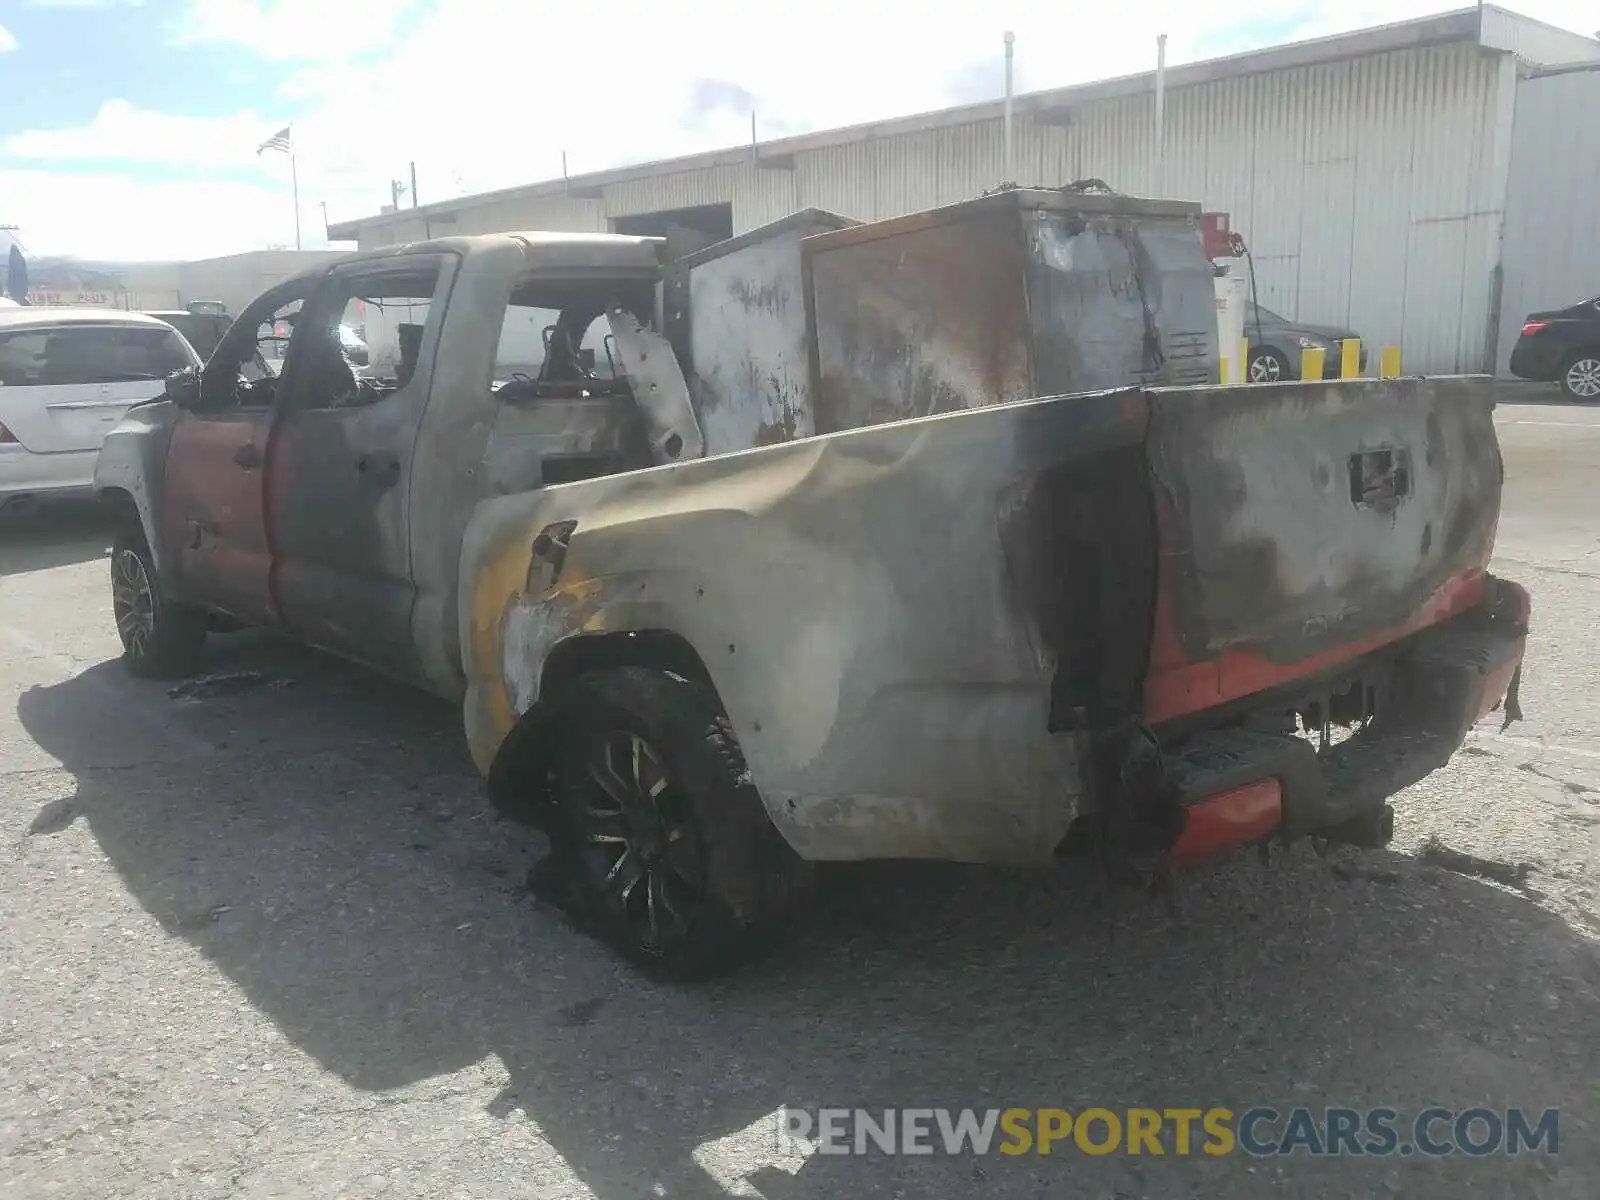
pixel 928 538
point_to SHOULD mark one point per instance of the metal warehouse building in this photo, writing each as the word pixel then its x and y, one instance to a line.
pixel 1408 181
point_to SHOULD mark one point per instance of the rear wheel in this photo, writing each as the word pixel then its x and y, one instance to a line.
pixel 1580 376
pixel 1268 366
pixel 161 639
pixel 669 853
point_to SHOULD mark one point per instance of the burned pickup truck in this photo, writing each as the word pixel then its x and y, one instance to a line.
pixel 931 537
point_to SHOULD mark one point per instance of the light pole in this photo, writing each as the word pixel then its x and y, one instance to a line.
pixel 1010 42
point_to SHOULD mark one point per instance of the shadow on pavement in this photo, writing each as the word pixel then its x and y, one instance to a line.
pixel 54 535
pixel 327 846
pixel 1526 391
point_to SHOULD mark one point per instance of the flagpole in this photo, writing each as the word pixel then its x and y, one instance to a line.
pixel 294 184
pixel 284 140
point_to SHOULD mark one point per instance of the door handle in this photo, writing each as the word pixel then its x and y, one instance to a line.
pixel 247 456
pixel 379 467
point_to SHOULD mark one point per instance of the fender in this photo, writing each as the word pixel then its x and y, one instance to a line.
pixel 133 460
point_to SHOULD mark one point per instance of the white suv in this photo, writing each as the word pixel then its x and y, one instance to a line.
pixel 66 377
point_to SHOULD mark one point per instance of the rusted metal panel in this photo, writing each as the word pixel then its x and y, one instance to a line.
pixel 926 317
pixel 744 327
pixel 1024 293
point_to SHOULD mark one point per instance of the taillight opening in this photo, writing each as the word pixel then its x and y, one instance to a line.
pixel 7 438
pixel 1529 328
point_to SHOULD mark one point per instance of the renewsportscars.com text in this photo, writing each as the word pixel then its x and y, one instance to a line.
pixel 1260 1131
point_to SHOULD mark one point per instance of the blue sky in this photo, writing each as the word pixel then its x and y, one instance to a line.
pixel 128 128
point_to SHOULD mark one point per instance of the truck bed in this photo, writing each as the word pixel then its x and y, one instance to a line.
pixel 927 633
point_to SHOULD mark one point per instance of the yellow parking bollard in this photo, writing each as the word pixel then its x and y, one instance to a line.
pixel 1350 358
pixel 1223 362
pixel 1311 361
pixel 1244 361
pixel 1389 363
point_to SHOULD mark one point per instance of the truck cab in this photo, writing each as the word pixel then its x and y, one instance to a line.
pixel 291 483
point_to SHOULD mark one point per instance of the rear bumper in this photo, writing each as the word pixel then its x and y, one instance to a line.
pixel 1536 361
pixel 45 476
pixel 1239 785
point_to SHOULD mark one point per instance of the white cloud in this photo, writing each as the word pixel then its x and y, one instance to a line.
pixel 84 3
pixel 295 30
pixel 121 131
pixel 8 40
pixel 115 215
pixel 484 94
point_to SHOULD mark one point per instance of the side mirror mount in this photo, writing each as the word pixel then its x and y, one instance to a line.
pixel 183 388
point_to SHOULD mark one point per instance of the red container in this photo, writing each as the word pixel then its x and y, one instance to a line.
pixel 1214 233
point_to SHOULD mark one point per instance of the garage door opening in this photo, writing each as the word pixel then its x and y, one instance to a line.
pixel 686 229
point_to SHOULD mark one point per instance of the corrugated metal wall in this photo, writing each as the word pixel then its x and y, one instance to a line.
pixel 1533 42
pixel 1370 191
pixel 1551 254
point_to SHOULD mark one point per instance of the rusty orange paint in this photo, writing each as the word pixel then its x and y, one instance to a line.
pixel 1180 690
pixel 496 588
pixel 1231 818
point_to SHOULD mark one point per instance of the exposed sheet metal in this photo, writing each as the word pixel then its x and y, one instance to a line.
pixel 1280 551
pixel 877 723
pixel 874 722
pixel 929 318
pixel 1024 293
pixel 743 334
pixel 659 389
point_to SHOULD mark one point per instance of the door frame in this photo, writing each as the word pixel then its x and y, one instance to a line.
pixel 295 400
pixel 173 528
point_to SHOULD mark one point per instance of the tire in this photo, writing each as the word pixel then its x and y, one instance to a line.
pixel 1268 366
pixel 1580 376
pixel 666 849
pixel 161 638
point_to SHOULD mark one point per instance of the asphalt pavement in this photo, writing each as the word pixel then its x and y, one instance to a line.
pixel 264 937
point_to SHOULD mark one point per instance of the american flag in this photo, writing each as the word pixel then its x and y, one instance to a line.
pixel 278 141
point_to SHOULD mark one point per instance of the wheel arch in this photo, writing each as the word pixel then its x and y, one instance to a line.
pixel 130 469
pixel 519 774
pixel 119 506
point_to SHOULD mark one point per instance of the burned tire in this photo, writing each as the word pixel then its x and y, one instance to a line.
pixel 666 848
pixel 161 638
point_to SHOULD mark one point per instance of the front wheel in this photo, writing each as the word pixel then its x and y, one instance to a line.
pixel 1580 376
pixel 670 854
pixel 161 638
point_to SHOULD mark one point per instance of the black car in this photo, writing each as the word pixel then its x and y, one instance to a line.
pixel 202 330
pixel 1276 343
pixel 1562 345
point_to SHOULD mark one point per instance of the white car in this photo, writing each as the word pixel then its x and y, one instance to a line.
pixel 66 377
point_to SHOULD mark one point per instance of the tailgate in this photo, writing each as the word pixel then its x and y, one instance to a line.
pixel 1303 524
pixel 66 417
